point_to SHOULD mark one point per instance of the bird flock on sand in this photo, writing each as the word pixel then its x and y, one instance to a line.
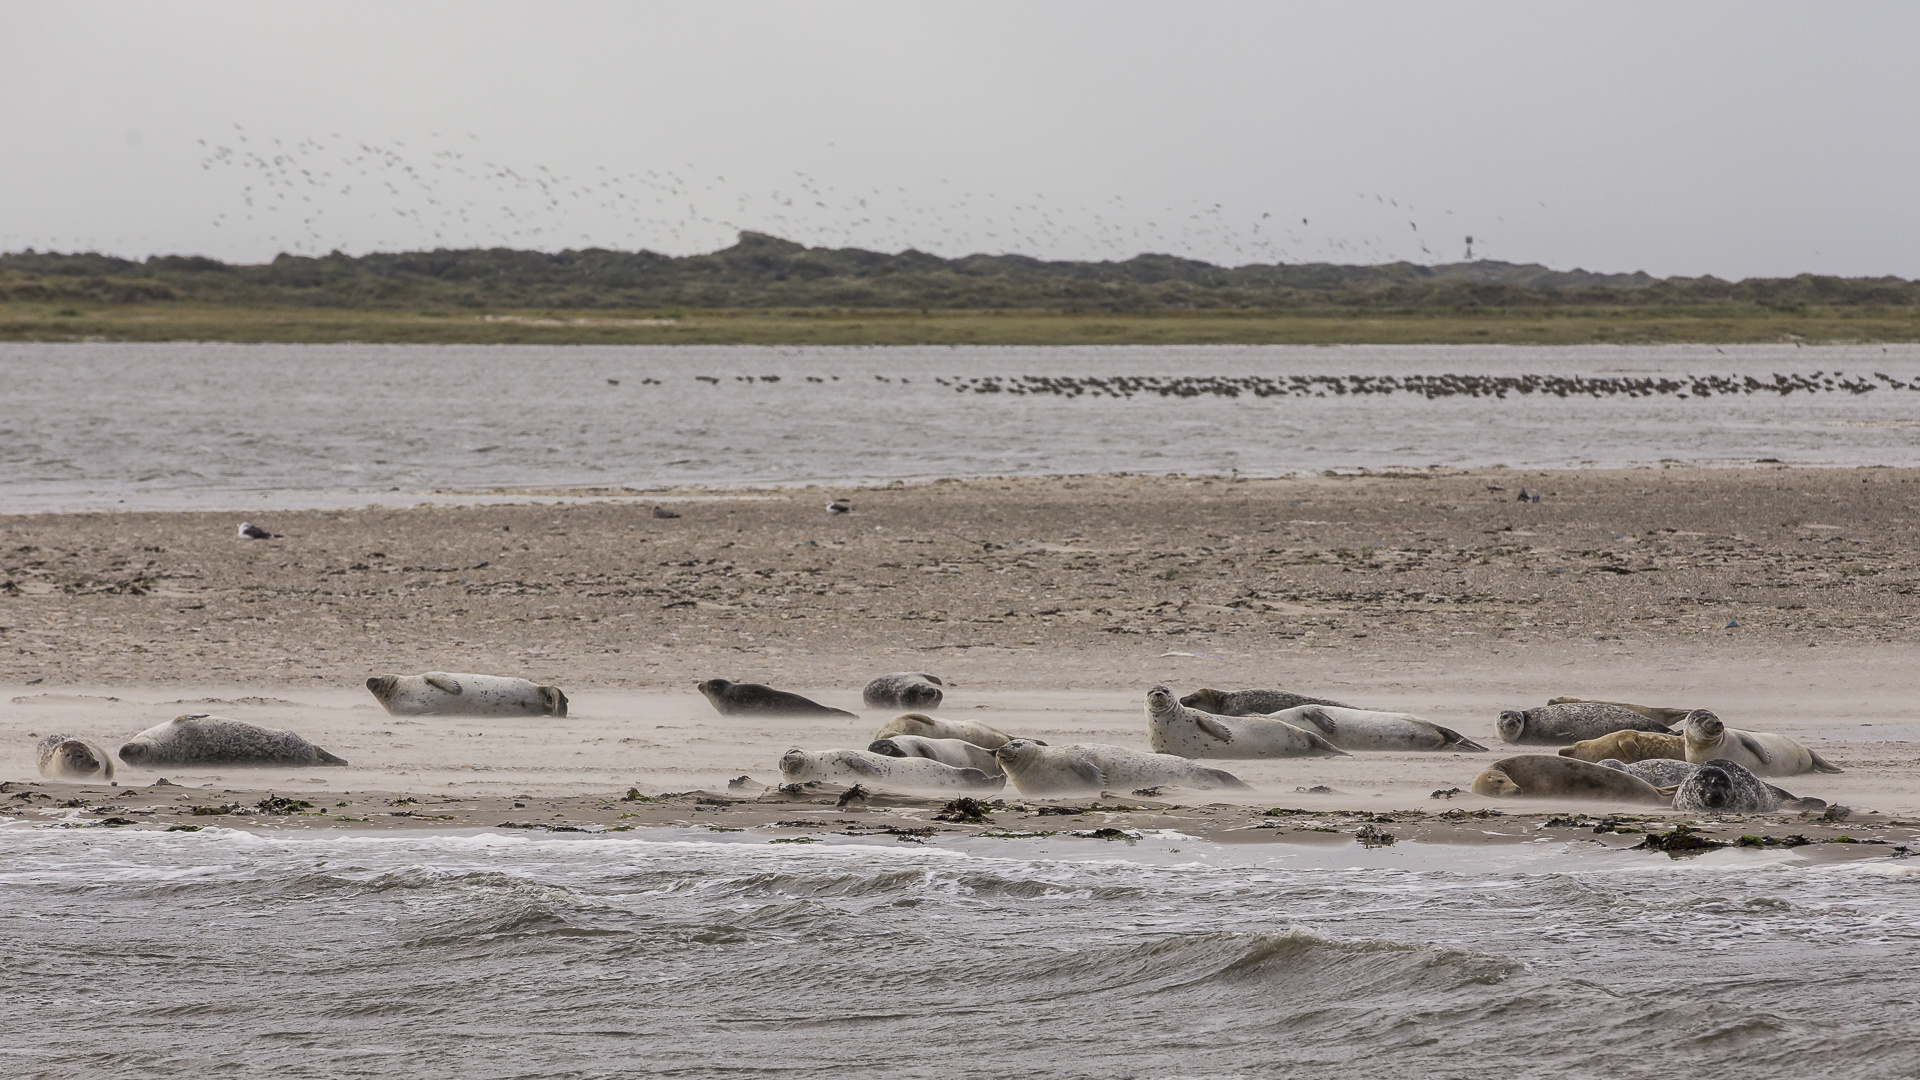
pixel 1607 751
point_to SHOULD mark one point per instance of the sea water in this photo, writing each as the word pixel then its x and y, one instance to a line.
pixel 220 426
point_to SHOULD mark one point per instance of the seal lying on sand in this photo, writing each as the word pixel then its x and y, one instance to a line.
pixel 933 727
pixel 1628 746
pixel 753 699
pixel 1250 702
pixel 1364 729
pixel 1558 725
pixel 1541 776
pixel 958 753
pixel 1042 771
pixel 904 690
pixel 1661 772
pixel 1655 713
pixel 199 739
pixel 63 757
pixel 446 693
pixel 877 770
pixel 1726 787
pixel 1762 753
pixel 1172 728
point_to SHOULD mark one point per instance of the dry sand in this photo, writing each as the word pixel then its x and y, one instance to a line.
pixel 1051 605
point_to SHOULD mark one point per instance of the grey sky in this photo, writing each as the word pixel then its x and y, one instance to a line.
pixel 1730 138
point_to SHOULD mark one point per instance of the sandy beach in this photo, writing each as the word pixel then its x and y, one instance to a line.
pixel 1050 606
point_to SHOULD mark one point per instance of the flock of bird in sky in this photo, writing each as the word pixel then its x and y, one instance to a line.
pixel 310 195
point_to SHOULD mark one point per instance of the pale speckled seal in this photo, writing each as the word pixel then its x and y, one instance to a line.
pixel 903 690
pixel 958 753
pixel 933 727
pixel 878 770
pixel 1172 728
pixel 1043 771
pixel 1549 776
pixel 199 739
pixel 753 699
pixel 64 757
pixel 1659 714
pixel 1764 754
pixel 1661 772
pixel 1628 746
pixel 1558 725
pixel 1366 729
pixel 461 693
pixel 1250 702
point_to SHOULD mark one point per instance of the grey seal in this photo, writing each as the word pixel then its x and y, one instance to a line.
pixel 958 753
pixel 200 739
pixel 1558 725
pixel 799 766
pixel 1549 776
pixel 1041 771
pixel 1762 753
pixel 934 727
pixel 1727 787
pixel 753 699
pixel 1366 729
pixel 64 757
pixel 1659 714
pixel 1661 772
pixel 1172 728
pixel 460 693
pixel 903 690
pixel 1251 702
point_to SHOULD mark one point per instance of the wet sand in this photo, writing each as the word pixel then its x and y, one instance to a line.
pixel 1050 605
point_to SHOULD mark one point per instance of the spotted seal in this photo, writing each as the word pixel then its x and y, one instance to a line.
pixel 1251 702
pixel 1042 771
pixel 799 766
pixel 958 753
pixel 460 693
pixel 1558 725
pixel 200 739
pixel 1172 728
pixel 1763 753
pixel 904 690
pixel 933 727
pixel 1657 713
pixel 1727 787
pixel 753 699
pixel 64 757
pixel 1628 746
pixel 1548 776
pixel 1661 772
pixel 1365 729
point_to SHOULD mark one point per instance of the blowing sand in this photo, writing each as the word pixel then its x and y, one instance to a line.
pixel 1050 605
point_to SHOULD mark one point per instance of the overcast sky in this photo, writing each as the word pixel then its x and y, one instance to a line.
pixel 1737 139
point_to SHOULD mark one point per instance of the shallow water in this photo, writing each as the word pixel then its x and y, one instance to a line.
pixel 679 954
pixel 170 426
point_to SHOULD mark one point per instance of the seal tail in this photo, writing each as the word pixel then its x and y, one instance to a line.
pixel 843 712
pixel 329 759
pixel 1225 779
pixel 1821 764
pixel 1457 741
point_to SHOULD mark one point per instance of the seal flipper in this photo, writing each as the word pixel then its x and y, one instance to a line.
pixel 1752 746
pixel 861 766
pixel 1089 772
pixel 1228 780
pixel 441 681
pixel 887 747
pixel 329 759
pixel 554 700
pixel 980 780
pixel 1209 726
pixel 1457 741
pixel 1821 764
pixel 1317 717
pixel 1321 747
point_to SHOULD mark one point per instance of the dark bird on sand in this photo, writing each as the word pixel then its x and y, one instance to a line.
pixel 249 531
pixel 663 512
pixel 840 506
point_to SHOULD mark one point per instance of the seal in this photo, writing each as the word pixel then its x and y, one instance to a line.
pixel 799 766
pixel 1547 776
pixel 1656 713
pixel 64 757
pixel 1042 771
pixel 1628 746
pixel 931 727
pixel 1661 772
pixel 460 693
pixel 1558 725
pixel 1763 753
pixel 1364 729
pixel 1725 787
pixel 958 753
pixel 1250 702
pixel 753 699
pixel 903 690
pixel 1172 728
pixel 199 739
